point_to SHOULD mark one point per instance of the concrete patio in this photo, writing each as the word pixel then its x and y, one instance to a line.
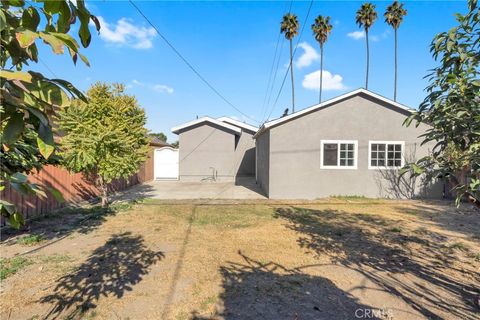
pixel 175 190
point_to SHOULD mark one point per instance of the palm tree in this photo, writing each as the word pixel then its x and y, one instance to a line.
pixel 321 29
pixel 290 26
pixel 394 17
pixel 365 18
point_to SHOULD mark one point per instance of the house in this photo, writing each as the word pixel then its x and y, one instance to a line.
pixel 353 144
pixel 220 149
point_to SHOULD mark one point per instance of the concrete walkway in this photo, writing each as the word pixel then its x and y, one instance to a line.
pixel 174 190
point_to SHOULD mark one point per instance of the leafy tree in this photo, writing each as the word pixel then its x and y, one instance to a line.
pixel 161 136
pixel 365 18
pixel 176 144
pixel 394 17
pixel 452 108
pixel 290 26
pixel 28 100
pixel 104 138
pixel 321 29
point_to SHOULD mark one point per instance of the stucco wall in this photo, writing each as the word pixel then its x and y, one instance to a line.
pixel 208 146
pixel 263 161
pixel 204 147
pixel 295 172
pixel 244 155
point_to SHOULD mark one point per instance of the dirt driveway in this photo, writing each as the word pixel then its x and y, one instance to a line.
pixel 329 259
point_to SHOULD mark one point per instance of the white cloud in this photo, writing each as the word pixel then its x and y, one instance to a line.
pixel 329 82
pixel 356 35
pixel 308 57
pixel 125 33
pixel 162 88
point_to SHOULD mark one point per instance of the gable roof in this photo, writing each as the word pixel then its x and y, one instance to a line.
pixel 229 127
pixel 279 121
pixel 237 123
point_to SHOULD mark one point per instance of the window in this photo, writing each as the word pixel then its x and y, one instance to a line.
pixel 385 154
pixel 338 154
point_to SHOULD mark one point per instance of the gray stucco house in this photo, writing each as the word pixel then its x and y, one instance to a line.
pixel 353 144
pixel 215 149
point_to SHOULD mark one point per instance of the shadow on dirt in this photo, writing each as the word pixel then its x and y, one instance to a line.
pixel 418 267
pixel 110 270
pixel 258 290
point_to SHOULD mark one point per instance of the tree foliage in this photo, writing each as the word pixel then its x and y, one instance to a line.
pixel 365 18
pixel 321 30
pixel 452 108
pixel 161 136
pixel 28 99
pixel 104 138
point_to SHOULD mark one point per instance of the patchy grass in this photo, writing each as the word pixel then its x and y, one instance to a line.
pixel 11 266
pixel 55 258
pixel 231 216
pixel 459 246
pixel 30 240
pixel 282 260
pixel 396 229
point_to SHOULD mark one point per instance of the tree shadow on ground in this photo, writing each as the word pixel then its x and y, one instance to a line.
pixel 417 267
pixel 447 216
pixel 110 270
pixel 258 290
pixel 63 222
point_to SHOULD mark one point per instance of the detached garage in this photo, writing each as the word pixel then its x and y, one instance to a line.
pixel 215 149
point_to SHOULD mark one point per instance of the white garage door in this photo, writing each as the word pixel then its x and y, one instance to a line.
pixel 166 164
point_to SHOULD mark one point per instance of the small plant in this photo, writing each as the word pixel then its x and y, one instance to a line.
pixel 396 229
pixel 30 240
pixel 459 246
pixel 11 266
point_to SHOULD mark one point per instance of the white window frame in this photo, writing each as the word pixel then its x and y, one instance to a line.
pixel 386 143
pixel 338 142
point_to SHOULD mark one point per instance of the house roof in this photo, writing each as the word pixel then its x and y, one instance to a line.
pixel 154 141
pixel 237 123
pixel 229 127
pixel 279 121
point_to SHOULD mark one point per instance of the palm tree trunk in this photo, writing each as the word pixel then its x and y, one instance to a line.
pixel 368 60
pixel 321 73
pixel 291 76
pixel 395 81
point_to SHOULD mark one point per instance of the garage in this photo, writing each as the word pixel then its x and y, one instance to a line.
pixel 166 164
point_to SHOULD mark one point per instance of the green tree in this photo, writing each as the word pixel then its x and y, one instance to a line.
pixel 104 138
pixel 365 18
pixel 161 136
pixel 175 144
pixel 321 30
pixel 28 100
pixel 452 108
pixel 290 26
pixel 394 17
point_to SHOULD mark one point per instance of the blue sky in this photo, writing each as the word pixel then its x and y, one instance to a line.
pixel 232 44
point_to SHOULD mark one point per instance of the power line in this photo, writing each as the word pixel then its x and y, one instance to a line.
pixel 189 64
pixel 290 65
pixel 264 107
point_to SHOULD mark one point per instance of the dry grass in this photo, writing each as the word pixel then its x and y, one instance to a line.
pixel 248 260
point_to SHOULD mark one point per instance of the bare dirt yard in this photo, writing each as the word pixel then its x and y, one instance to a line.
pixel 342 258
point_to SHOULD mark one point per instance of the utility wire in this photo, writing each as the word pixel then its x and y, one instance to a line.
pixel 270 83
pixel 290 64
pixel 189 64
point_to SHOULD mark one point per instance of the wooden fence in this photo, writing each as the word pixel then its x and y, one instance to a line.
pixel 73 186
